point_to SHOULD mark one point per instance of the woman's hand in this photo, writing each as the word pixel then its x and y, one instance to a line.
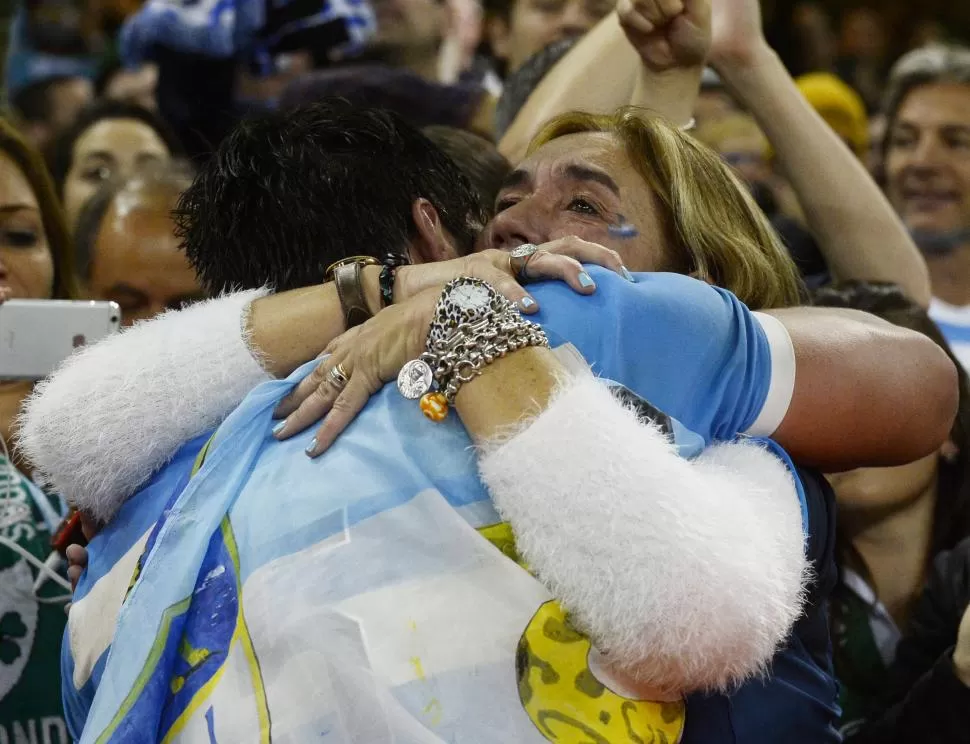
pixel 370 355
pixel 667 34
pixel 558 259
pixel 738 39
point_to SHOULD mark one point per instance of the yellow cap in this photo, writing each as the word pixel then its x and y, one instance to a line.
pixel 840 106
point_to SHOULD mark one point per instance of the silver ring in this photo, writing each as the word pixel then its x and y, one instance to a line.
pixel 337 377
pixel 519 260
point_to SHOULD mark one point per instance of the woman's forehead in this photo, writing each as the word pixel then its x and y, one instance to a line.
pixel 599 148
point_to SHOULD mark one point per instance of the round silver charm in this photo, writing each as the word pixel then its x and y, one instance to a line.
pixel 414 379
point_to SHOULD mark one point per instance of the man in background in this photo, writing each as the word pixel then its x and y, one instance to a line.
pixel 127 251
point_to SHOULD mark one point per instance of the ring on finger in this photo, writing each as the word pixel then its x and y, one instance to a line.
pixel 519 260
pixel 337 377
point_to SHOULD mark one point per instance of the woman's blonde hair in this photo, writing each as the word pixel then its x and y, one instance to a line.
pixel 719 234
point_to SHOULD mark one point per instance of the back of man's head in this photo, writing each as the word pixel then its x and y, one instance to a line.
pixel 478 159
pixel 288 193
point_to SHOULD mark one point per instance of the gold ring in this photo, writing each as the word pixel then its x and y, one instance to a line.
pixel 338 377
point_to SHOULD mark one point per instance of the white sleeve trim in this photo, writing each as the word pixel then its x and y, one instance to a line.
pixel 117 411
pixel 781 387
pixel 688 573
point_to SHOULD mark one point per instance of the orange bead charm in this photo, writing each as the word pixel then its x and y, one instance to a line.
pixel 434 406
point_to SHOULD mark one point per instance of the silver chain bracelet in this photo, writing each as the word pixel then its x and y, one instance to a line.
pixel 473 325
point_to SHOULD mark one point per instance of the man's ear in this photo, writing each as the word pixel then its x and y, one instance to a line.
pixel 432 242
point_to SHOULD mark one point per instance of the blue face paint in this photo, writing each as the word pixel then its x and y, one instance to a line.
pixel 623 229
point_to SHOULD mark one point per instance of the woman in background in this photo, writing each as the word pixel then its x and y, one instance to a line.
pixel 111 140
pixel 894 525
pixel 35 263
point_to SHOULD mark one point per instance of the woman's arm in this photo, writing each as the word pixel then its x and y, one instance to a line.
pixel 654 59
pixel 689 573
pixel 867 393
pixel 856 228
pixel 118 410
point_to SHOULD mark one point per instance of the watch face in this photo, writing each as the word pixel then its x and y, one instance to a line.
pixel 470 297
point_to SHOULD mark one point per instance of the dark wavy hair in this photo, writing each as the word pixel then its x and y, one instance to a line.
pixel 61 154
pixel 951 522
pixel 288 193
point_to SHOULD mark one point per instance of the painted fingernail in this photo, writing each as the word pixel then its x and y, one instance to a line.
pixel 585 280
pixel 626 274
pixel 527 302
pixel 312 447
pixel 279 428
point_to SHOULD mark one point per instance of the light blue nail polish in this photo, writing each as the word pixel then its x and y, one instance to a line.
pixel 278 428
pixel 312 446
pixel 527 302
pixel 585 280
pixel 626 274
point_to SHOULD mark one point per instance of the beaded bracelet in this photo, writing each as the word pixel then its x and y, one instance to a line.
pixel 392 262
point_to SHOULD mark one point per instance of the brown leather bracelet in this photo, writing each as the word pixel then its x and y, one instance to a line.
pixel 351 294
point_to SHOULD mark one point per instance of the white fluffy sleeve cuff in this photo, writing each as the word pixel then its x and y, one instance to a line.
pixel 687 574
pixel 115 412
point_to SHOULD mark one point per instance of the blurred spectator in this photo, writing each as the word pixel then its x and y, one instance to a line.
pixel 35 263
pixel 520 84
pixel 517 29
pixel 863 53
pixel 410 34
pixel 47 107
pixel 713 100
pixel 739 140
pixel 927 173
pixel 892 523
pixel 136 85
pixel 814 39
pixel 476 157
pixel 126 248
pixel 840 106
pixel 110 140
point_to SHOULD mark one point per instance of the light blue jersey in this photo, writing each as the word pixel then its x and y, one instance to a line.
pixel 341 562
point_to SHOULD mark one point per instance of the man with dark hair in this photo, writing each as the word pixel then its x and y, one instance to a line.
pixel 47 107
pixel 477 158
pixel 328 161
pixel 125 247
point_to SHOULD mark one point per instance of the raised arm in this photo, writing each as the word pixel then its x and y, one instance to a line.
pixel 647 53
pixel 856 228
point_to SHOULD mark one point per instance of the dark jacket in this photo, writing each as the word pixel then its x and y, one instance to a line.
pixel 928 703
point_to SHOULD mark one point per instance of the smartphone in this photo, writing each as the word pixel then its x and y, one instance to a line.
pixel 37 335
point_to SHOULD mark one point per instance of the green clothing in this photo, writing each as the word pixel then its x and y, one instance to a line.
pixel 30 630
pixel 864 639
